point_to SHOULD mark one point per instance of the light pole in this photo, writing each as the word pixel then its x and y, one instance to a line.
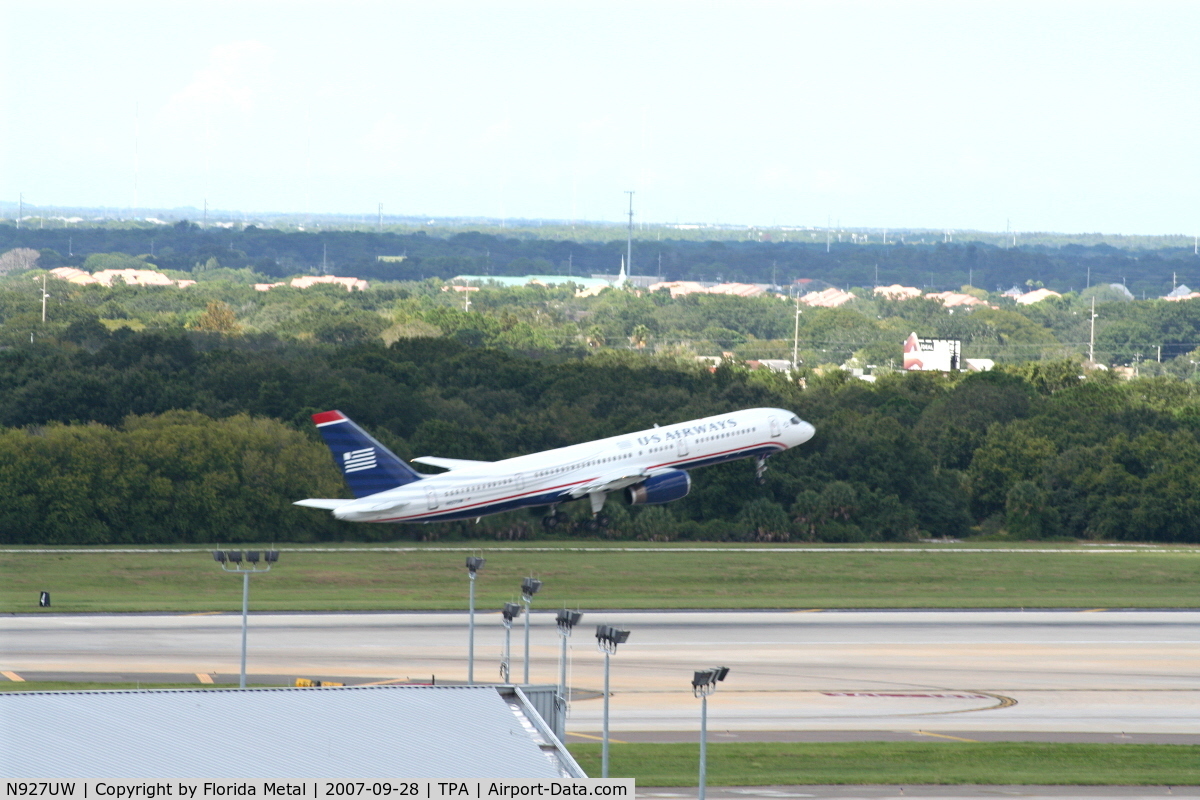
pixel 231 561
pixel 529 587
pixel 607 639
pixel 474 564
pixel 704 683
pixel 510 612
pixel 566 620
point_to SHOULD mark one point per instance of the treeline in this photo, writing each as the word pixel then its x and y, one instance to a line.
pixel 554 321
pixel 174 477
pixel 176 437
pixel 276 253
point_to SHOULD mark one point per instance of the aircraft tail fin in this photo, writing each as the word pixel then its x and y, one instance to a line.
pixel 368 466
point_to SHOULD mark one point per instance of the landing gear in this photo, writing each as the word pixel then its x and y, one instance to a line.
pixel 760 466
pixel 598 523
pixel 554 519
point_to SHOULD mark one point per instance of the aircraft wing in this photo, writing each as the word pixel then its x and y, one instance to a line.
pixel 610 482
pixel 320 502
pixel 449 463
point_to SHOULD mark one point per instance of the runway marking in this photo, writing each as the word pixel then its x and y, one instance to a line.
pixel 932 695
pixel 944 736
pixel 204 677
pixel 597 738
pixel 807 610
pixel 12 676
pixel 1004 702
pixel 202 614
pixel 1092 610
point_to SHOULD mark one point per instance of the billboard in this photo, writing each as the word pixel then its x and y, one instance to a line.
pixel 939 355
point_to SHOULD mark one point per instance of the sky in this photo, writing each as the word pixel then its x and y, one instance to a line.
pixel 1049 116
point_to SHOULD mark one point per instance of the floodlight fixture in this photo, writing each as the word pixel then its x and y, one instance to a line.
pixel 231 561
pixel 529 587
pixel 567 620
pixel 474 564
pixel 704 683
pixel 607 639
pixel 510 612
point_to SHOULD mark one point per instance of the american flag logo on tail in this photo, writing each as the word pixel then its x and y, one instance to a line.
pixel 358 460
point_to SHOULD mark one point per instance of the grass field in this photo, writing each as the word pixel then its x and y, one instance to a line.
pixel 763 764
pixel 595 577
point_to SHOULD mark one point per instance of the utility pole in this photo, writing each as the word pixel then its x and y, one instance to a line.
pixel 20 209
pixel 629 243
pixel 44 296
pixel 1092 336
pixel 796 338
pixel 324 261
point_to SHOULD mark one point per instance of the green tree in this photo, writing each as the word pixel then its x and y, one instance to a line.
pixel 218 317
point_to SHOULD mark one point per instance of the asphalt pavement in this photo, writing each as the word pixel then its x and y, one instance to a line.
pixel 965 674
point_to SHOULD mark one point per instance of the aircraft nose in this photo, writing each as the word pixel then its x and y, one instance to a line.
pixel 804 432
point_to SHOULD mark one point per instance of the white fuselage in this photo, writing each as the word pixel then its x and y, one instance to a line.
pixel 589 469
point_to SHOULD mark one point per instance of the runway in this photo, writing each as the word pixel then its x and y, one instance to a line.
pixel 1108 673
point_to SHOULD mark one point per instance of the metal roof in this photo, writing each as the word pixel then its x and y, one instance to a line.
pixel 395 733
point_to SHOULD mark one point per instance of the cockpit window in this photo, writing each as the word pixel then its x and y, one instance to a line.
pixel 795 420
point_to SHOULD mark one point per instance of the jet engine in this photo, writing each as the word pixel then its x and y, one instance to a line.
pixel 662 488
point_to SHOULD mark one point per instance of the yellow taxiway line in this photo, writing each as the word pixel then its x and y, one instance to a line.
pixel 597 738
pixel 12 676
pixel 944 736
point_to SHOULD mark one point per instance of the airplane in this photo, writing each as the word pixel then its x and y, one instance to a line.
pixel 647 467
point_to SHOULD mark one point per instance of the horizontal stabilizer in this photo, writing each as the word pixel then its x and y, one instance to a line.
pixel 322 502
pixel 449 463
